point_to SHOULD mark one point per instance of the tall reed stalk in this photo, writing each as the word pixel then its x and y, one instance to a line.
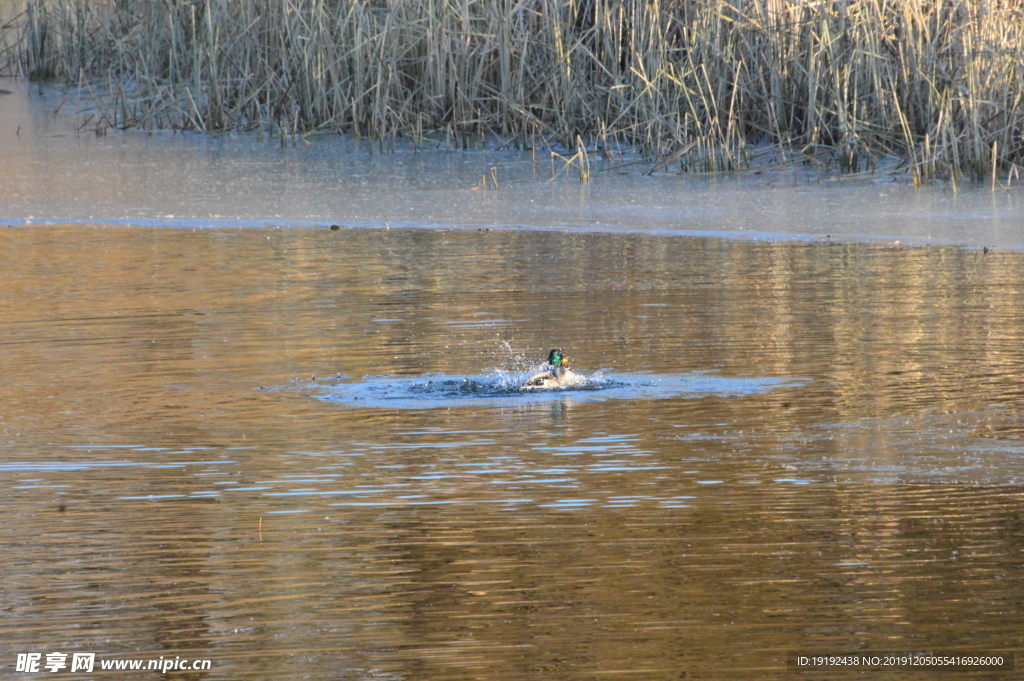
pixel 691 82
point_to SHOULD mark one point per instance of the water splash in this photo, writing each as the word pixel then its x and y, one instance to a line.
pixel 501 388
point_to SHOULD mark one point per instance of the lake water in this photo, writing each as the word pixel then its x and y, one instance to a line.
pixel 232 433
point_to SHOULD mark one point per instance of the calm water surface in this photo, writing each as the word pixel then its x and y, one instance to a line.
pixel 812 444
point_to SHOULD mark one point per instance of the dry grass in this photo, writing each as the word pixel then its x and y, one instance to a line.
pixel 692 83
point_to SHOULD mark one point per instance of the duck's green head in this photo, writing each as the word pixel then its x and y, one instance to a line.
pixel 556 359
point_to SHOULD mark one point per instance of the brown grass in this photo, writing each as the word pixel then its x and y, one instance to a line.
pixel 692 83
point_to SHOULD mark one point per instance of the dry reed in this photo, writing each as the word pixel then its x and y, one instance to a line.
pixel 691 83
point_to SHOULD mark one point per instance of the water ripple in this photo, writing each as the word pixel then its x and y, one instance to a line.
pixel 500 389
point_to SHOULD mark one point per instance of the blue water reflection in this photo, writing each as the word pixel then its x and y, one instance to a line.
pixel 441 390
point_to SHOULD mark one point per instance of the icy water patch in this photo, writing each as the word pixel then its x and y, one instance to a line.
pixel 431 391
pixel 53 175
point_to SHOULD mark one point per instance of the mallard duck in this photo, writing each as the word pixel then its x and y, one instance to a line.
pixel 557 375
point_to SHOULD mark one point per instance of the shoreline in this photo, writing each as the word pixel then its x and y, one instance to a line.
pixel 693 83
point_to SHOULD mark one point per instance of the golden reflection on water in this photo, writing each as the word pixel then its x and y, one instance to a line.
pixel 160 503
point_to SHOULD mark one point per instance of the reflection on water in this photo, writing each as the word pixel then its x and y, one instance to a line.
pixel 834 462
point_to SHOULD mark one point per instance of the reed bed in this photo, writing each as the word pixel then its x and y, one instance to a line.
pixel 693 84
